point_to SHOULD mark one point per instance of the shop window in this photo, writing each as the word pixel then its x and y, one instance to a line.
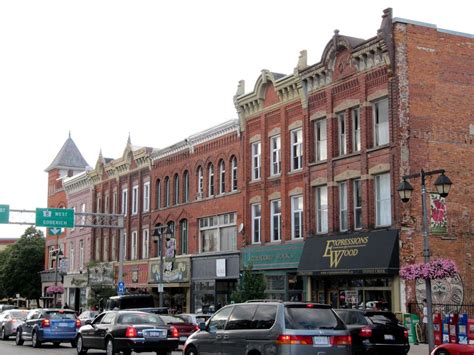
pixel 320 128
pixel 256 218
pixel 218 233
pixel 383 204
pixel 356 145
pixel 296 149
pixel 210 188
pixel 234 173
pixel 158 193
pixel 322 209
pixel 341 133
pixel 135 200
pixel 297 217
pixel 381 128
pixel 221 177
pixel 275 221
pixel 357 204
pixel 343 220
pixel 186 186
pixel 275 155
pixel 176 189
pixel 256 160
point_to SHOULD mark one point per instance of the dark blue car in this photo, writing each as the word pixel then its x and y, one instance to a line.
pixel 46 325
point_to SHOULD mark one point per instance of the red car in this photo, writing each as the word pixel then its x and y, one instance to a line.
pixel 185 329
pixel 453 349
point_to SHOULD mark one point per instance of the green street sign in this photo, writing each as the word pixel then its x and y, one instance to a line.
pixel 55 217
pixel 4 213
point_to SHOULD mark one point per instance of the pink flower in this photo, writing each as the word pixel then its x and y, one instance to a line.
pixel 55 289
pixel 436 269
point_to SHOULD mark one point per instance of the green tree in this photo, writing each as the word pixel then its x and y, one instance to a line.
pixel 251 286
pixel 21 264
pixel 99 296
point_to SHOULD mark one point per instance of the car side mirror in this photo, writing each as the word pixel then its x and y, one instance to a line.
pixel 202 326
pixel 88 321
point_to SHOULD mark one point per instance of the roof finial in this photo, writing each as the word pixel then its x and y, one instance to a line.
pixel 129 140
pixel 69 134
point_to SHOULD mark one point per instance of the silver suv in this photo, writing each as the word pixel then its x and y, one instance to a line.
pixel 271 327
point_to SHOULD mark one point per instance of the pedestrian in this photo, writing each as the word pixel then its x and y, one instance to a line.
pixel 425 322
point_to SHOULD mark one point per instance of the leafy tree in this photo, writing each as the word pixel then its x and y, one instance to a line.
pixel 99 296
pixel 21 264
pixel 251 286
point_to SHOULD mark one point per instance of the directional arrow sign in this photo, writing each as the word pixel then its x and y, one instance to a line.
pixel 4 213
pixel 55 231
pixel 121 288
pixel 55 217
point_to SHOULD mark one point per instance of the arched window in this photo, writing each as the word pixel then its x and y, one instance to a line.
pixel 158 193
pixel 183 233
pixel 221 177
pixel 186 186
pixel 234 173
pixel 167 191
pixel 211 180
pixel 176 189
pixel 200 186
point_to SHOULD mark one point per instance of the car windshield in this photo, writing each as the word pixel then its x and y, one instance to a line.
pixel 352 317
pixel 171 319
pixel 139 318
pixel 60 315
pixel 303 317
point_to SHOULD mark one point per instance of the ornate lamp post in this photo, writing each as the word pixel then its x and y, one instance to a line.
pixel 443 185
pixel 158 237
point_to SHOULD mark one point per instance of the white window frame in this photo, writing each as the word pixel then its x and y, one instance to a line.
pixel 322 223
pixel 320 127
pixel 114 202
pixel 222 177
pixel 107 204
pixel 296 215
pixel 134 200
pixel 210 187
pixel 343 215
pixel 275 155
pixel 234 173
pixel 356 143
pixel 158 194
pixel 81 253
pixel 357 192
pixel 256 160
pixel 125 249
pixel 200 181
pixel 383 202
pixel 256 223
pixel 275 220
pixel 341 133
pixel 176 189
pixel 105 251
pixel 167 192
pixel 381 122
pixel 124 201
pixel 83 210
pixel 296 149
pixel 183 233
pixel 146 197
pixel 186 186
pixel 145 243
pixel 71 256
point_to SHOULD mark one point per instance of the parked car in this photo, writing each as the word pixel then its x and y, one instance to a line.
pixel 48 325
pixel 87 315
pixel 194 317
pixel 10 320
pixel 127 331
pixel 4 307
pixel 453 349
pixel 130 302
pixel 263 327
pixel 184 327
pixel 375 332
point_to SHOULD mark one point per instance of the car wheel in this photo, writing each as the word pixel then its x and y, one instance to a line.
pixel 110 347
pixel 126 352
pixel 191 350
pixel 442 352
pixel 81 350
pixel 4 335
pixel 34 340
pixel 18 339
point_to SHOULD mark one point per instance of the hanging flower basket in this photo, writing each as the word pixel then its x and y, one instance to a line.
pixel 55 289
pixel 434 270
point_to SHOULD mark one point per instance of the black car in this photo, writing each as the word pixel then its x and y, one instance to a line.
pixel 127 331
pixel 375 332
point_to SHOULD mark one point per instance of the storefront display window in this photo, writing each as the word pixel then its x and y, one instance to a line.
pixel 287 287
pixel 204 296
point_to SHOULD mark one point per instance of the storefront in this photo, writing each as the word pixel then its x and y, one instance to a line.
pixel 176 282
pixel 75 285
pixel 279 264
pixel 214 278
pixel 353 270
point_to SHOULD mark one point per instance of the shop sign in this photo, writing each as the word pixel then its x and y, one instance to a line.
pixel 220 268
pixel 173 271
pixel 351 296
pixel 273 257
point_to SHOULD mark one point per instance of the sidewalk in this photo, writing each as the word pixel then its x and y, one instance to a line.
pixel 420 349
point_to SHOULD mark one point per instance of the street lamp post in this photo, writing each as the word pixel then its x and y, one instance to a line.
pixel 443 185
pixel 57 253
pixel 158 237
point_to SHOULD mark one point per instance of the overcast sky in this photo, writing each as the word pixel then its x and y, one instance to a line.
pixel 159 70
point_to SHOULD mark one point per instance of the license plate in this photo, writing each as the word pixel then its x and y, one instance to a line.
pixel 388 337
pixel 64 324
pixel 155 334
pixel 320 340
pixel 183 338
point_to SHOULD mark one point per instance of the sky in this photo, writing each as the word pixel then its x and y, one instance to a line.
pixel 158 71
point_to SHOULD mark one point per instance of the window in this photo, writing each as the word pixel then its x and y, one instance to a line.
pixel 356 130
pixel 234 173
pixel 167 191
pixel 296 149
pixel 341 130
pixel 146 197
pixel 219 319
pixel 200 182
pixel 145 243
pixel 135 200
pixel 124 201
pixel 114 247
pixel 275 157
pixel 83 210
pixel 343 207
pixel 218 233
pixel 107 204
pixel 81 253
pixel 186 186
pixel 275 220
pixel 114 202
pixel 71 256
pixel 256 216
pixel 134 246
pixel 241 317
pixel 158 193
pixel 296 217
pixel 256 156
pixel 357 204
pixel 221 177
pixel 210 190
pixel 322 209
pixel 321 139
pixel 106 249
pixel 98 242
pixel 98 201
pixel 125 247
pixel 383 209
pixel 183 230
pixel 176 189
pixel 381 130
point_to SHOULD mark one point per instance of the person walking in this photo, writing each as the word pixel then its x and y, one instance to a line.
pixel 425 322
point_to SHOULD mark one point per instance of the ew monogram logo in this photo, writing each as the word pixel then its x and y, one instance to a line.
pixel 337 248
